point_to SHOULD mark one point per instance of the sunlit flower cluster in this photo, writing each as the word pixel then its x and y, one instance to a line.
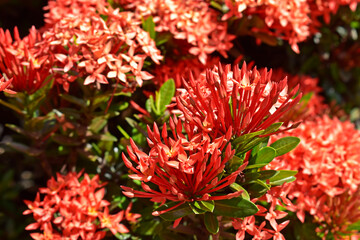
pixel 312 104
pixel 73 209
pixel 185 169
pixel 178 69
pixel 92 40
pixel 193 21
pixel 327 161
pixel 26 61
pixel 246 100
pixel 291 20
pixel 275 197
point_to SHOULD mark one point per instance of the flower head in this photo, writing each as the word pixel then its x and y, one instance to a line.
pixel 184 169
pixel 245 100
pixel 71 208
pixel 327 161
pixel 25 60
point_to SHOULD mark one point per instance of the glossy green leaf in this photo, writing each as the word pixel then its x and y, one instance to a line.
pixel 196 208
pixel 235 207
pixel 267 174
pixel 273 128
pixel 282 177
pixel 181 211
pixel 250 145
pixel 164 95
pixel 237 187
pixel 262 158
pixel 211 223
pixel 246 137
pixel 285 145
pixel 208 205
pixel 251 176
pixel 257 188
pixel 354 226
pixel 149 26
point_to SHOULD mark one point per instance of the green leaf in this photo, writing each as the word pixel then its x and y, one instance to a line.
pixel 149 228
pixel 267 174
pixel 207 206
pixel 262 158
pixel 273 128
pixel 33 152
pixel 123 132
pixel 78 101
pixel 244 138
pixel 285 145
pixel 257 188
pixel 196 208
pixel 211 223
pixel 149 26
pixel 250 144
pixel 236 187
pixel 354 226
pixel 97 124
pixel 108 137
pixel 164 95
pixel 235 207
pixel 181 211
pixel 235 163
pixel 251 176
pixel 13 107
pixel 282 177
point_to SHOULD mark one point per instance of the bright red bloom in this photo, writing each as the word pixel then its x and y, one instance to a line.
pixel 314 104
pixel 91 40
pixel 195 22
pixel 257 230
pixel 26 61
pixel 71 208
pixel 245 100
pixel 185 170
pixel 327 161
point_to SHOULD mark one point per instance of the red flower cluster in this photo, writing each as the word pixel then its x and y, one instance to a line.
pixel 193 21
pixel 312 104
pixel 245 100
pixel 271 215
pixel 82 39
pixel 291 20
pixel 176 69
pixel 327 161
pixel 25 61
pixel 184 169
pixel 73 209
pixel 97 42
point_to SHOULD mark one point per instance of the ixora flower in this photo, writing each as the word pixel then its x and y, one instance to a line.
pixel 195 22
pixel 245 100
pixel 25 61
pixel 327 160
pixel 93 41
pixel 183 169
pixel 73 209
